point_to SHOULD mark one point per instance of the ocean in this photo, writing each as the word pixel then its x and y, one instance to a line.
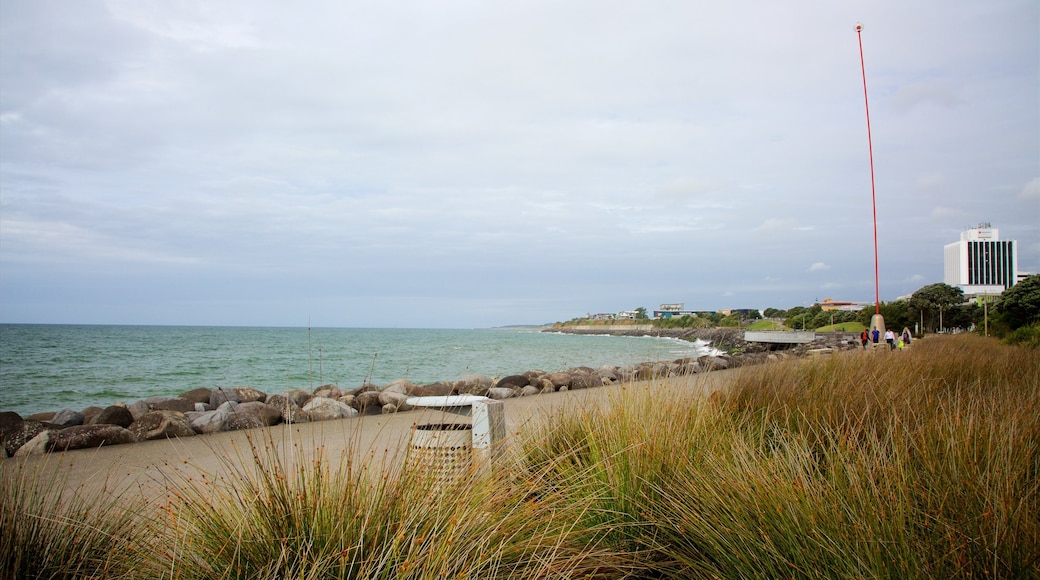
pixel 52 367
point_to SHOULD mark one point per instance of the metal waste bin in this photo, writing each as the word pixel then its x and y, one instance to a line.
pixel 449 450
pixel 443 450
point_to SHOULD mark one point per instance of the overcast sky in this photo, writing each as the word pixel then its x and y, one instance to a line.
pixel 473 163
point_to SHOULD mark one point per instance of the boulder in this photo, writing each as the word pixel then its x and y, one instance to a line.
pixel 300 396
pixel 89 437
pixel 436 390
pixel 253 414
pixel 583 380
pixel 560 379
pixel 406 387
pixel 474 385
pixel 35 446
pixel 9 421
pixel 249 394
pixel 500 393
pixel 138 409
pixel 517 381
pixel 44 417
pixel 161 424
pixel 324 409
pixel 29 428
pixel 712 363
pixel 395 399
pixel 530 390
pixel 534 377
pixel 89 413
pixel 287 407
pixel 198 395
pixel 114 415
pixel 367 399
pixel 608 374
pixel 179 404
pixel 328 391
pixel 222 395
pixel 211 421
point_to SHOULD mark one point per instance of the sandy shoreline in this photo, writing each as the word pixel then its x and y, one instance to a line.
pixel 143 468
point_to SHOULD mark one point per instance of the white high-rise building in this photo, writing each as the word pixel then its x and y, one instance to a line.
pixel 981 263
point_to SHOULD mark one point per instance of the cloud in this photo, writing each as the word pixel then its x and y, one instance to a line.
pixel 1030 191
pixel 508 153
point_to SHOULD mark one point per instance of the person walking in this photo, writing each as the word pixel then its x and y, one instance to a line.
pixel 864 338
pixel 875 335
pixel 890 338
pixel 906 336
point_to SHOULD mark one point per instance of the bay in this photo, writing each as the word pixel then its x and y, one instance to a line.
pixel 51 367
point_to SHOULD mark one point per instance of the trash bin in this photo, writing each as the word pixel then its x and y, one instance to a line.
pixel 443 450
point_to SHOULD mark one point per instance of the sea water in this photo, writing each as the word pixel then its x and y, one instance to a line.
pixel 51 367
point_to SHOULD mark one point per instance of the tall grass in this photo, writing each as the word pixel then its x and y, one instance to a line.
pixel 870 464
pixel 921 463
pixel 281 516
pixel 49 531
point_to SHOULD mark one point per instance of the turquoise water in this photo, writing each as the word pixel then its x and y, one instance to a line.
pixel 50 367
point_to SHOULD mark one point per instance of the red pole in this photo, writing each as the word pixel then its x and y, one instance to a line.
pixel 870 148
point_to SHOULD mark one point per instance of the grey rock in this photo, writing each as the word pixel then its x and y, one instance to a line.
pixel 67 418
pixel 560 379
pixel 29 428
pixel 474 385
pixel 530 390
pixel 179 404
pixel 395 399
pixel 328 392
pixel 363 401
pixel 138 409
pixel 500 393
pixel 89 437
pixel 161 424
pixel 249 394
pixel 267 414
pixel 324 409
pixel 114 415
pixel 35 446
pixel 211 421
pixel 222 395
pixel 437 390
pixel 198 395
pixel 287 407
pixel 89 413
pixel 517 381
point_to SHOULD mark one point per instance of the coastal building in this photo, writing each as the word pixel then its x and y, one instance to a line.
pixel 677 310
pixel 981 263
pixel 830 304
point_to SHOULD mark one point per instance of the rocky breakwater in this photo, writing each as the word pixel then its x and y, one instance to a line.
pixel 726 340
pixel 202 411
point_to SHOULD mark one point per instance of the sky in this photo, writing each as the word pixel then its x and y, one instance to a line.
pixel 469 164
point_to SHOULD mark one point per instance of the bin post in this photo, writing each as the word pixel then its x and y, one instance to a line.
pixel 489 430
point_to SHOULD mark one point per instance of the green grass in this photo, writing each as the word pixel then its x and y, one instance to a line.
pixel 766 325
pixel 855 327
pixel 922 463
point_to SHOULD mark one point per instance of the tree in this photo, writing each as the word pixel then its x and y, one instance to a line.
pixel 774 313
pixel 936 298
pixel 641 314
pixel 1019 305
